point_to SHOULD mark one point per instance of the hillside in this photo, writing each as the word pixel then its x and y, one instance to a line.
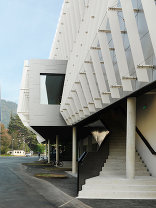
pixel 7 108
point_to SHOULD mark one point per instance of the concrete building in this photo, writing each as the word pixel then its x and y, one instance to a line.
pixel 16 152
pixel 104 52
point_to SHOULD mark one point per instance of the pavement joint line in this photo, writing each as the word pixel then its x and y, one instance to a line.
pixel 67 202
pixel 84 205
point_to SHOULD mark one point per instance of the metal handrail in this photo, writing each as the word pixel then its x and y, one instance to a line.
pixel 81 158
pixel 145 142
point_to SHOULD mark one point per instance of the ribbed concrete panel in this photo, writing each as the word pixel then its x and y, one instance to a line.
pixel 77 13
pixel 99 76
pixel 82 99
pixel 86 91
pixel 93 86
pixel 73 20
pixel 108 64
pixel 74 109
pixel 134 39
pixel 69 32
pixel 81 8
pixel 119 48
pixel 65 117
pixel 71 115
pixel 77 104
pixel 65 44
pixel 149 8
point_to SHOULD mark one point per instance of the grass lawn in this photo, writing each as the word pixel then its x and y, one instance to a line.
pixel 50 175
pixel 5 155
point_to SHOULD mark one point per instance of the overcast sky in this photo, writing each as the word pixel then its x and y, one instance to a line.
pixel 27 29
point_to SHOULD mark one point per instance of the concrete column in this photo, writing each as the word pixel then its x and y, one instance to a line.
pixel 130 140
pixel 74 162
pixel 57 148
pixel 48 150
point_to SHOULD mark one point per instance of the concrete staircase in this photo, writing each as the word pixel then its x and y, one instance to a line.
pixel 112 183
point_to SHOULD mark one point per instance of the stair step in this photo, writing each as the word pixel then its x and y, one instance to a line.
pixel 120 164
pixel 122 173
pixel 116 146
pixel 124 187
pixel 115 162
pixel 109 168
pixel 120 157
pixel 118 195
pixel 145 180
pixel 115 153
pixel 118 139
pixel 117 150
pixel 117 142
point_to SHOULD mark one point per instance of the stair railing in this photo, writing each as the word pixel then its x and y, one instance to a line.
pixel 145 142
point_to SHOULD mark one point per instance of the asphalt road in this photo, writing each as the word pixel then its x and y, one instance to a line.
pixel 18 189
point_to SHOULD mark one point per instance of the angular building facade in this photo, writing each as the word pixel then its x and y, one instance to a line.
pixel 98 90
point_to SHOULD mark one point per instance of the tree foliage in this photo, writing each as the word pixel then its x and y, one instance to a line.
pixel 40 148
pixel 5 139
pixel 22 137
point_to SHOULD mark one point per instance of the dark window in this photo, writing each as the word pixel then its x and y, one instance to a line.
pixel 51 87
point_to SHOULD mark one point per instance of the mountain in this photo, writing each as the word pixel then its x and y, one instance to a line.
pixel 7 108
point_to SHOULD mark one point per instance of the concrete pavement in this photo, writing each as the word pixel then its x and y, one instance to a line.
pixel 18 189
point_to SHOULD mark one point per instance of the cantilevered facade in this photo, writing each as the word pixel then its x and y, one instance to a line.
pixel 106 50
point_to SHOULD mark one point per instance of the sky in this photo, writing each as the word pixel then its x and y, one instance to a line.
pixel 27 29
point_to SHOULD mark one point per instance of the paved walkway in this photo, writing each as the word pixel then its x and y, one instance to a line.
pixel 19 188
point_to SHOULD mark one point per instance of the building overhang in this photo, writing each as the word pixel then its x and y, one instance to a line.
pixel 31 109
pixel 148 89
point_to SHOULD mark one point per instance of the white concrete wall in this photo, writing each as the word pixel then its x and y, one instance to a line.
pixel 146 122
pixel 43 114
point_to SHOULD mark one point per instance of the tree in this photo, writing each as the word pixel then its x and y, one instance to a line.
pixel 5 140
pixel 23 137
pixel 40 148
